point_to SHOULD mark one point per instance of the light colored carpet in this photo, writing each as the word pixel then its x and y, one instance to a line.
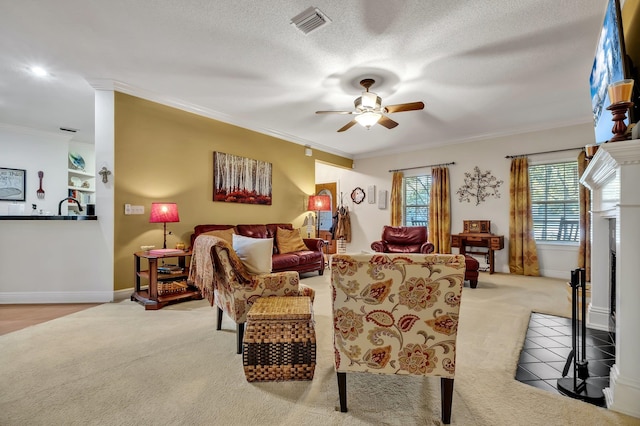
pixel 117 364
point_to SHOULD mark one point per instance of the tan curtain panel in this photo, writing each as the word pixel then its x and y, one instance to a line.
pixel 396 199
pixel 584 252
pixel 440 210
pixel 523 254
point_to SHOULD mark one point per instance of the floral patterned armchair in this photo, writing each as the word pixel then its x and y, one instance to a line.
pixel 397 314
pixel 221 276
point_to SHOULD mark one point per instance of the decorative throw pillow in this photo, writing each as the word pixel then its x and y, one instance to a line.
pixel 225 234
pixel 289 240
pixel 255 253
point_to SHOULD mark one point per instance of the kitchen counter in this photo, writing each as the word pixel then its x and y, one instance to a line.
pixel 43 217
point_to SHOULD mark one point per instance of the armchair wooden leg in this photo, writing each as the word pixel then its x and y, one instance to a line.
pixel 219 324
pixel 446 394
pixel 342 391
pixel 240 337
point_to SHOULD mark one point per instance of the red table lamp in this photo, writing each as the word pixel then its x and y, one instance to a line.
pixel 319 203
pixel 163 213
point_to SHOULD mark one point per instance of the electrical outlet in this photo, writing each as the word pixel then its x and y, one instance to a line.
pixel 127 209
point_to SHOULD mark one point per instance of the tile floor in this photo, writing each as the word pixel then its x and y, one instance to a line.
pixel 547 346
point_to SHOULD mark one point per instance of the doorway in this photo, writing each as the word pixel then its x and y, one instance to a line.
pixel 325 219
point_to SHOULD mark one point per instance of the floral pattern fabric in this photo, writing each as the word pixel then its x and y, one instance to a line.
pixel 396 313
pixel 234 290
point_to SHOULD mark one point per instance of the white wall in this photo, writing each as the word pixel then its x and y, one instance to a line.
pixel 49 261
pixel 367 220
pixel 34 151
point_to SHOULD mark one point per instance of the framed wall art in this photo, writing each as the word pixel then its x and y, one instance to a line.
pixel 241 180
pixel 12 184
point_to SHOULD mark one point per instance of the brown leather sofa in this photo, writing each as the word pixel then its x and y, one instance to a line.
pixel 310 260
pixel 403 239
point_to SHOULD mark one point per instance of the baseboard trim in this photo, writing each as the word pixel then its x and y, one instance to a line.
pixel 598 318
pixel 622 395
pixel 120 295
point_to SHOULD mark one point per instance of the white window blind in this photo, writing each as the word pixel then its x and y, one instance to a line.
pixel 555 201
pixel 416 200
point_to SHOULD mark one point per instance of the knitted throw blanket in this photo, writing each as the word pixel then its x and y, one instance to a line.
pixel 207 268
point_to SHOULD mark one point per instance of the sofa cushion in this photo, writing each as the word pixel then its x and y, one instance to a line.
pixel 199 229
pixel 285 261
pixel 253 231
pixel 405 235
pixel 308 256
pixel 404 248
pixel 225 234
pixel 272 228
pixel 289 241
pixel 255 253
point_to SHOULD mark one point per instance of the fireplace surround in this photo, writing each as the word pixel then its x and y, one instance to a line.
pixel 613 176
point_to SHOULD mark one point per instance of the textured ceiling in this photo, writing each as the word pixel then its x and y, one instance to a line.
pixel 483 68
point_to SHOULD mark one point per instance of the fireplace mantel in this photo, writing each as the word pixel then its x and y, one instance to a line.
pixel 613 175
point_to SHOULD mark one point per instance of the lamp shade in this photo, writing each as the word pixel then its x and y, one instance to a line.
pixel 319 203
pixel 368 119
pixel 164 212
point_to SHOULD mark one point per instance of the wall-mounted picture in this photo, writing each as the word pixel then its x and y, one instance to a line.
pixel 12 184
pixel 241 180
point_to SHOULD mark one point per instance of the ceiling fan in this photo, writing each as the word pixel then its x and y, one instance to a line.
pixel 369 110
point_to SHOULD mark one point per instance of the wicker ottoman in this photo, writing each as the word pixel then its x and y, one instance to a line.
pixel 279 340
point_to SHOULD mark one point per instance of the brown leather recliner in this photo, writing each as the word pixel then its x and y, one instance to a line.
pixel 403 239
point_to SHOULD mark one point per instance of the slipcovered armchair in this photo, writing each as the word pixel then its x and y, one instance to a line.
pixel 396 314
pixel 403 239
pixel 221 276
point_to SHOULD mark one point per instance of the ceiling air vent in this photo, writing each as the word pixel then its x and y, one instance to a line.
pixel 310 20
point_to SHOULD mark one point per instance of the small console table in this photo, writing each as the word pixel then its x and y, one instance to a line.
pixel 478 239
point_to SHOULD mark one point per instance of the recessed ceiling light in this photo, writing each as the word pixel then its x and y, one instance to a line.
pixel 39 71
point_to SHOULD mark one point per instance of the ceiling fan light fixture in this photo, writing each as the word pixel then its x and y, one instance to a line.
pixel 370 100
pixel 368 119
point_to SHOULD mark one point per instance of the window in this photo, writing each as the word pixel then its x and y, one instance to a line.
pixel 416 200
pixel 555 201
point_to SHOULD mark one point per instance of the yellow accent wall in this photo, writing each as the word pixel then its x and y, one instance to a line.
pixel 631 28
pixel 166 154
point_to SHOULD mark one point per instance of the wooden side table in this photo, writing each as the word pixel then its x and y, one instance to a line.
pixel 489 241
pixel 154 297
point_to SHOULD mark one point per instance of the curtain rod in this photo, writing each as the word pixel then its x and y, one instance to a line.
pixel 543 152
pixel 421 167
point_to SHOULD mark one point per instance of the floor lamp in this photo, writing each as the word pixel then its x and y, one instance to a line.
pixel 317 204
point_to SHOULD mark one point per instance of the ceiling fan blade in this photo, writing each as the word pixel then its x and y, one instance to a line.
pixel 334 112
pixel 347 126
pixel 411 106
pixel 387 122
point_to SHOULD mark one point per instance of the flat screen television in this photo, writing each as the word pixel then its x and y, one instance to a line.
pixel 610 65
